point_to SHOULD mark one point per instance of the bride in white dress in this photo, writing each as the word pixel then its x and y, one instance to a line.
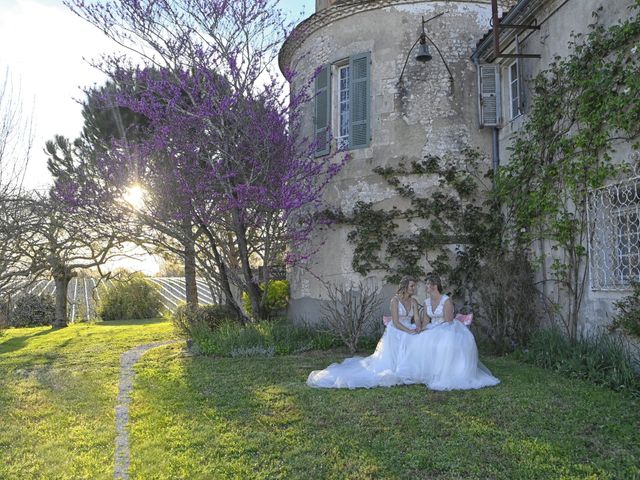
pixel 388 364
pixel 445 353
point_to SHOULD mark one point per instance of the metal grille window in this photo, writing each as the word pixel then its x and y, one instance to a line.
pixel 614 227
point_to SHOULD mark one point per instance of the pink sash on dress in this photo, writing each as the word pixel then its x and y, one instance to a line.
pixel 464 319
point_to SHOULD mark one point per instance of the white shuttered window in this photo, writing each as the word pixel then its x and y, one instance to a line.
pixel 489 95
pixel 347 118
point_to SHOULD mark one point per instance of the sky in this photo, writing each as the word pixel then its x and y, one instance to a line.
pixel 46 50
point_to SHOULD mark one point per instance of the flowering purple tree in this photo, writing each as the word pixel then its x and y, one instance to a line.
pixel 101 174
pixel 220 142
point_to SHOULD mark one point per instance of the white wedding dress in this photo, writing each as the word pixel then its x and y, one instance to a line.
pixel 383 368
pixel 445 355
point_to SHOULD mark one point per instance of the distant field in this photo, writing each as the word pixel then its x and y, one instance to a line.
pixel 84 292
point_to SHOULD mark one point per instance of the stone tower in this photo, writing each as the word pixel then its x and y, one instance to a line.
pixel 360 48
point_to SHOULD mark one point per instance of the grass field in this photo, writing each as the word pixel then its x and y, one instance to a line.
pixel 57 397
pixel 210 418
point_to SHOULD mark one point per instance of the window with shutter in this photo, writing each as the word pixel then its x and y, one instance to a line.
pixel 514 90
pixel 359 100
pixel 322 117
pixel 342 105
pixel 489 95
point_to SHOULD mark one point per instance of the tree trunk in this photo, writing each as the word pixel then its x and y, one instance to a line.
pixel 224 277
pixel 190 274
pixel 253 290
pixel 61 282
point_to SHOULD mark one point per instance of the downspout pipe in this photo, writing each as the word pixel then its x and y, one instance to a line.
pixel 495 151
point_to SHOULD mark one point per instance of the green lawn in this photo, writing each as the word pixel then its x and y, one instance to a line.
pixel 210 418
pixel 57 397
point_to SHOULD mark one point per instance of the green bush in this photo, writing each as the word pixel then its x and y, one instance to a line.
pixel 600 358
pixel 628 318
pixel 32 310
pixel 276 337
pixel 369 342
pixel 207 316
pixel 276 301
pixel 506 308
pixel 134 298
pixel 5 313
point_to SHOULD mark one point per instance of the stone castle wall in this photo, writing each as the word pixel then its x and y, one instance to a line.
pixel 426 115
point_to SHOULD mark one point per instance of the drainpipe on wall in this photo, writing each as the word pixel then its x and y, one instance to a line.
pixel 495 150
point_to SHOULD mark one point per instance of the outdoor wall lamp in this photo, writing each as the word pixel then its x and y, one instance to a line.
pixel 424 55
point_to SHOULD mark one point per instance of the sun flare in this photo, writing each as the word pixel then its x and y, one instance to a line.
pixel 134 196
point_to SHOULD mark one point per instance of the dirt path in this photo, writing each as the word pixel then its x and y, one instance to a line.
pixel 127 373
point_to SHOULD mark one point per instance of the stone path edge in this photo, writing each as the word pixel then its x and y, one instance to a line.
pixel 125 386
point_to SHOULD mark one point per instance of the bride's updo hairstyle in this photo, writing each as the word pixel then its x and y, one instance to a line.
pixel 404 284
pixel 434 279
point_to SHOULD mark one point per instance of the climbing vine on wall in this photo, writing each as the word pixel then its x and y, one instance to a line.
pixel 453 214
pixel 454 228
pixel 584 106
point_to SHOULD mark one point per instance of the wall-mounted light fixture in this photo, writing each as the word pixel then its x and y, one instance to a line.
pixel 423 54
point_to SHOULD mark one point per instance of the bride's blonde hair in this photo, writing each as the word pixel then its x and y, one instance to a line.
pixel 404 284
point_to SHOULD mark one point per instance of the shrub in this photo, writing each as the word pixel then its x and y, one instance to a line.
pixel 276 301
pixel 600 358
pixel 628 318
pixel 370 341
pixel 288 339
pixel 275 337
pixel 134 298
pixel 5 312
pixel 252 352
pixel 206 316
pixel 32 310
pixel 352 312
pixel 506 311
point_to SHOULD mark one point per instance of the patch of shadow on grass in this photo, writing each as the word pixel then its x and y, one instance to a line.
pixel 16 343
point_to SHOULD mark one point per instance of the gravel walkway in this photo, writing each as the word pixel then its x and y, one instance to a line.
pixel 127 362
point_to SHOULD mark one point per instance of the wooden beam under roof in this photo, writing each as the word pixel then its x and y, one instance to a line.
pixel 497 26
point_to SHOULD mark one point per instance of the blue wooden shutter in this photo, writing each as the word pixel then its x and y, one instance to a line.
pixel 322 118
pixel 359 100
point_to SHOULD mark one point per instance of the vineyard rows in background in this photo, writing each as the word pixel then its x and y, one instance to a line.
pixel 84 293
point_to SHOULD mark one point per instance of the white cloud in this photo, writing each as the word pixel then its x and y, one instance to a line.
pixel 47 44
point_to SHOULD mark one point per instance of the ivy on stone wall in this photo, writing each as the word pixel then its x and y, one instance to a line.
pixel 451 214
pixel 453 228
